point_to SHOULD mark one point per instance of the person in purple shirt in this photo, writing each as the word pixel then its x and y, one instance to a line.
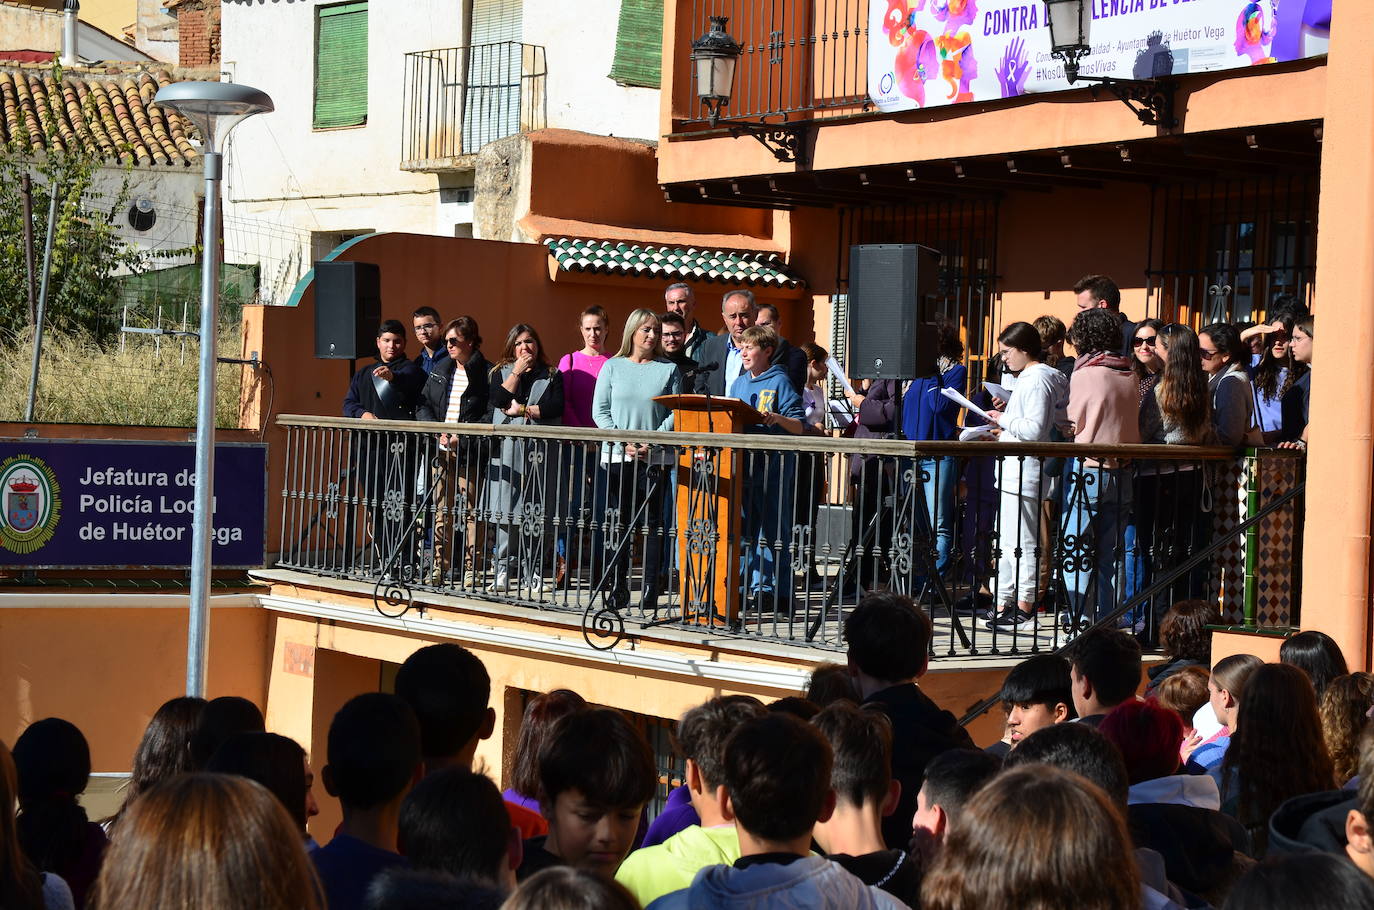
pixel 374 760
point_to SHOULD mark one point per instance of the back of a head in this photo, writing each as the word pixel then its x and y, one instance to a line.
pixel 830 682
pixel 1233 673
pixel 20 885
pixel 777 772
pixel 543 711
pixel 455 821
pixel 448 688
pixel 1110 660
pixel 861 750
pixel 1278 750
pixel 1366 790
pixel 569 888
pixel 408 888
pixel 1317 655
pixel 1312 881
pixel 1148 735
pixel 207 840
pixel 1036 838
pixel 1095 331
pixel 1183 632
pixel 277 762
pixel 1080 749
pixel 53 763
pixel 795 705
pixel 1344 712
pixel 888 637
pixel 1184 693
pixel 1039 680
pixel 221 719
pixel 165 749
pixel 702 731
pixel 953 776
pixel 374 750
pixel 1101 288
pixel 599 753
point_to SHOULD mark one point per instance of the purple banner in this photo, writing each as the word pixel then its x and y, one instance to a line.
pixel 70 503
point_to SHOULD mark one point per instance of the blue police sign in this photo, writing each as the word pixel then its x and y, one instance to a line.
pixel 70 503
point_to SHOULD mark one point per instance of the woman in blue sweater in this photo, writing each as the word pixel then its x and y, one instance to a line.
pixel 624 400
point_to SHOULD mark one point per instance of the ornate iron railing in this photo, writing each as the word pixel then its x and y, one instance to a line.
pixel 457 99
pixel 555 518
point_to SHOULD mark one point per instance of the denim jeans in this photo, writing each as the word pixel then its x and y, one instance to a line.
pixel 935 509
pixel 767 522
pixel 1097 501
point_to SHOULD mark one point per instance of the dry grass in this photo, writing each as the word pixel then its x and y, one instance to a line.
pixel 83 381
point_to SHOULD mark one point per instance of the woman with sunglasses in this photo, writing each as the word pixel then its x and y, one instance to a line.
pixel 1172 518
pixel 1276 372
pixel 1145 359
pixel 1224 357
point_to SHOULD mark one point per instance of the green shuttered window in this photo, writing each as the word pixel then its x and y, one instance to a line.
pixel 341 65
pixel 639 44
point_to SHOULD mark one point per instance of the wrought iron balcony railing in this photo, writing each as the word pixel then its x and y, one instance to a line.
pixel 558 519
pixel 457 99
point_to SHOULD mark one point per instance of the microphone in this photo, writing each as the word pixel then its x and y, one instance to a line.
pixel 703 370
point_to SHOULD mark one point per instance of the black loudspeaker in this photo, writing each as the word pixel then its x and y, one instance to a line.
pixel 348 309
pixel 890 335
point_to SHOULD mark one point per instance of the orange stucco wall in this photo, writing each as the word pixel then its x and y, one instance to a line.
pixel 107 669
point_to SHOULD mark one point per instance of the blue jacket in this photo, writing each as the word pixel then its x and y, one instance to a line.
pixel 771 390
pixel 928 415
pixel 812 882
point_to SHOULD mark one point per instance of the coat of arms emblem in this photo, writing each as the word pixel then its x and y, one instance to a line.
pixel 29 495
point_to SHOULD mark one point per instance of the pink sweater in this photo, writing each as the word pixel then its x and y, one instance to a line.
pixel 1104 401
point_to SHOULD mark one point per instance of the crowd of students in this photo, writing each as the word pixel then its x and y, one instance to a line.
pixel 1257 793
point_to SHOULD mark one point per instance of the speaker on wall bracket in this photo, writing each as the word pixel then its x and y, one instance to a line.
pixel 348 309
pixel 891 330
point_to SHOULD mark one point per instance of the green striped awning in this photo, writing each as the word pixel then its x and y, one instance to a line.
pixel 610 257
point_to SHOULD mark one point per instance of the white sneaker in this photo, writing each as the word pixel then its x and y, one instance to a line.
pixel 536 585
pixel 501 585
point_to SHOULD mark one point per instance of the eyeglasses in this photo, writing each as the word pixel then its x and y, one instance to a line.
pixel 1148 341
pixel 668 335
pixel 427 327
pixel 1206 354
pixel 453 342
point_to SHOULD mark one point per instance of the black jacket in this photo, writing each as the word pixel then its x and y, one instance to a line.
pixel 474 407
pixel 404 390
pixel 714 350
pixel 921 730
pixel 1198 845
pixel 1312 823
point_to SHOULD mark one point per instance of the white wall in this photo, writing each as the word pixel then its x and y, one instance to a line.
pixel 346 178
pixel 175 193
pixel 579 42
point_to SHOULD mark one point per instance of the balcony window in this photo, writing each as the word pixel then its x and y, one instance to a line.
pixel 341 65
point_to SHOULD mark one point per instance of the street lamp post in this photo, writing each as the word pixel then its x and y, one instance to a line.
pixel 215 108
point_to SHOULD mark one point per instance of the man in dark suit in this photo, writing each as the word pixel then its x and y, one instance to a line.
pixel 739 311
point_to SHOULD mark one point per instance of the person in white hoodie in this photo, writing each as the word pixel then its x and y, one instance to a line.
pixel 1038 404
pixel 776 788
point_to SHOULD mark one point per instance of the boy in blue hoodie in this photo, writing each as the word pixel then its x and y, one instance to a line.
pixel 768 476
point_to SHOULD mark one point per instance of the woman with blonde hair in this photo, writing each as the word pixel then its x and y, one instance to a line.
pixel 207 840
pixel 1036 838
pixel 636 472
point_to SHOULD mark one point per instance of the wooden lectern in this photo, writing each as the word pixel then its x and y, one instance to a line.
pixel 708 506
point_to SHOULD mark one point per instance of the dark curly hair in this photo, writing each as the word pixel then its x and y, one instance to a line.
pixel 1094 331
pixel 1183 632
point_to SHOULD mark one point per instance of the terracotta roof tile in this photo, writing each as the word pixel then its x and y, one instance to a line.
pixel 576 254
pixel 109 110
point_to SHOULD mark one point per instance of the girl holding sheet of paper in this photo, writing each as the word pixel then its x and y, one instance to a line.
pixel 1040 402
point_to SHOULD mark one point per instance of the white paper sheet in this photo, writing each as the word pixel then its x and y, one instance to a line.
pixel 971 434
pixel 998 391
pixel 834 367
pixel 841 412
pixel 965 403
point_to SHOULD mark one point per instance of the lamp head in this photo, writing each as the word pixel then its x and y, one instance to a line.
pixel 1070 24
pixel 715 55
pixel 214 107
